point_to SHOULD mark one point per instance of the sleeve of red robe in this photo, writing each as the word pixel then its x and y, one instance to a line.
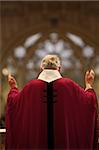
pixel 11 100
pixel 14 110
pixel 88 97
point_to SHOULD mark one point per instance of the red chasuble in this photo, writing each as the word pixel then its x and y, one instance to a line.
pixel 55 115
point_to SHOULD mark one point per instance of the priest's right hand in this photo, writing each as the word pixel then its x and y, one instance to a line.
pixel 12 81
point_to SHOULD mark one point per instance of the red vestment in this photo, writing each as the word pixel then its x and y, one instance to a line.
pixel 74 112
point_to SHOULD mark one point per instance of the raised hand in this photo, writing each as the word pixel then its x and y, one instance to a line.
pixel 89 78
pixel 12 81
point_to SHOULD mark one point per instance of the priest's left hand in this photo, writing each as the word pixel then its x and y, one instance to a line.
pixel 89 78
pixel 12 81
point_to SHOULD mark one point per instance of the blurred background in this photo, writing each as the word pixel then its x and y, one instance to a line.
pixel 31 29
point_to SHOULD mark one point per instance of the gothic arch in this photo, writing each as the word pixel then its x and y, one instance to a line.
pixel 46 28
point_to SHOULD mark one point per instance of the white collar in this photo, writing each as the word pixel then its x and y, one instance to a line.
pixel 49 75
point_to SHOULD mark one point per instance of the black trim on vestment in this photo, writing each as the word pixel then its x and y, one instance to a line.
pixel 50 116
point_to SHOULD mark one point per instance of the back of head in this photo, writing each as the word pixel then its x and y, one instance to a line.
pixel 50 62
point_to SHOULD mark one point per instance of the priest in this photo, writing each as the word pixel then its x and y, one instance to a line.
pixel 51 112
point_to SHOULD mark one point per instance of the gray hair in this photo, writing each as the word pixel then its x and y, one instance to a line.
pixel 50 61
